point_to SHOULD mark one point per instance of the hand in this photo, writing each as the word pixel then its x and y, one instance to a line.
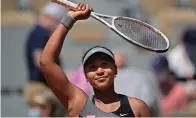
pixel 82 12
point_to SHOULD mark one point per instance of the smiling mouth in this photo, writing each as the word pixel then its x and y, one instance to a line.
pixel 100 78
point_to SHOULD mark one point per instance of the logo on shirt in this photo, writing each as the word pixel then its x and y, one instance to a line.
pixel 90 116
pixel 124 114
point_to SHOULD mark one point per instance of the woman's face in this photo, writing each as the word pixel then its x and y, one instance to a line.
pixel 100 72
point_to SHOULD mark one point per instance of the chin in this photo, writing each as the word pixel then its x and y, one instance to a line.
pixel 102 86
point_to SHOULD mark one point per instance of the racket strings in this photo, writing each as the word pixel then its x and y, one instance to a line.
pixel 140 34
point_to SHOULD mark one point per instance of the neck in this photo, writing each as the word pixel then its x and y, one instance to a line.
pixel 106 96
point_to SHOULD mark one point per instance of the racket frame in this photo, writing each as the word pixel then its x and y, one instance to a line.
pixel 112 26
pixel 99 17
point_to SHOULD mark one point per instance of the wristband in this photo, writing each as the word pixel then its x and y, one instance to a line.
pixel 67 21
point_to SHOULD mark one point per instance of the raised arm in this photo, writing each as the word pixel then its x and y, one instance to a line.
pixel 54 75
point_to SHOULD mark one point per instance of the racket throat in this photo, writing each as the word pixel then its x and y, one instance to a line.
pixel 105 20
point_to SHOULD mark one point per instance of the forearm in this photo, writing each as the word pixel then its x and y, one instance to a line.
pixel 54 75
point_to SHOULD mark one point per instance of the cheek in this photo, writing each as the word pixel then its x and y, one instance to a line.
pixel 111 73
pixel 90 76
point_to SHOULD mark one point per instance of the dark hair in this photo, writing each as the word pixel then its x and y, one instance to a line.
pixel 93 48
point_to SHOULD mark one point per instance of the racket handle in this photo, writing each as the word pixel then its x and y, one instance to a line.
pixel 71 4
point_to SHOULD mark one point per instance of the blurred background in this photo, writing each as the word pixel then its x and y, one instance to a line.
pixel 165 76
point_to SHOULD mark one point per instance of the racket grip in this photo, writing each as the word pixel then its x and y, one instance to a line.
pixel 71 4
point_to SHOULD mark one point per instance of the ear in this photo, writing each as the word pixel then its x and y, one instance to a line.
pixel 86 77
pixel 116 70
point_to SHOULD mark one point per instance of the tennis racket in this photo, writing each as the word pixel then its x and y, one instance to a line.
pixel 132 30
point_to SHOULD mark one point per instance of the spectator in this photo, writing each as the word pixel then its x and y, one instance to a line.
pixel 39 35
pixel 189 111
pixel 182 58
pixel 31 89
pixel 42 102
pixel 173 94
pixel 182 61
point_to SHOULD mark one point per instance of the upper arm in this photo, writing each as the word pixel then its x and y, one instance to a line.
pixel 59 83
pixel 144 110
pixel 140 108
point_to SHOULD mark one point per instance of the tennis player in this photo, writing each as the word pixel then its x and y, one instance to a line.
pixel 100 71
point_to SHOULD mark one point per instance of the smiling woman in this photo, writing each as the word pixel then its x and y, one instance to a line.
pixel 100 70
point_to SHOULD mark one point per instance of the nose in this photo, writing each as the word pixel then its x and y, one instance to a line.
pixel 100 71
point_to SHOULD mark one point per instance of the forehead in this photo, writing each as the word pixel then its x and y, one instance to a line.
pixel 99 58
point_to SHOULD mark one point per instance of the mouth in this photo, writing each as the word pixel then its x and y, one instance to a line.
pixel 100 78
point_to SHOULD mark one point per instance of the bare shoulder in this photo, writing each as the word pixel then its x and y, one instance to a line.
pixel 137 101
pixel 140 108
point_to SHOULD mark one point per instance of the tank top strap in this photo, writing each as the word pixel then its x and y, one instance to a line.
pixel 125 109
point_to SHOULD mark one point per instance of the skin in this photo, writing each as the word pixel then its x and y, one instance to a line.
pixel 100 73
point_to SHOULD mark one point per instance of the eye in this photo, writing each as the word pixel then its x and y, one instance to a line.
pixel 104 64
pixel 92 67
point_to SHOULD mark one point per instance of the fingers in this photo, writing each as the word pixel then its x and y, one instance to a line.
pixel 83 7
pixel 87 10
pixel 81 12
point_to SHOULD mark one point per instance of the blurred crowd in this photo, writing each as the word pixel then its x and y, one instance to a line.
pixel 175 73
pixel 168 88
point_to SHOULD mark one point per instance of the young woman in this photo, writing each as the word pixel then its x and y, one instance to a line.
pixel 100 71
